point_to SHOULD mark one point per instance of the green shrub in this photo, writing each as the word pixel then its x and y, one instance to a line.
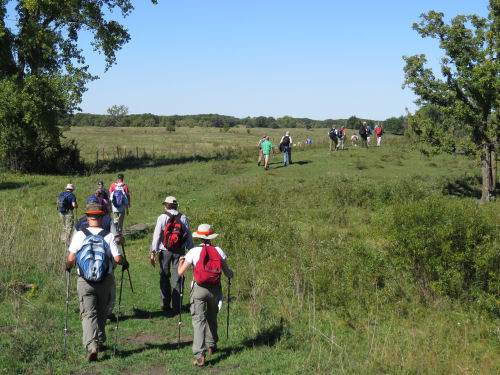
pixel 448 246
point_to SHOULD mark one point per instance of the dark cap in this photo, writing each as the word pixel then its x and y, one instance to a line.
pixel 120 176
pixel 100 183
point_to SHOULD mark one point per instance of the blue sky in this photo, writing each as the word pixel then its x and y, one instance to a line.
pixel 317 59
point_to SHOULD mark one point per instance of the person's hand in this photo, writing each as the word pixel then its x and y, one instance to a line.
pixel 153 259
pixel 125 265
pixel 69 266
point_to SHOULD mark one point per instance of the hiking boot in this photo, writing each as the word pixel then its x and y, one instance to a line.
pixel 199 362
pixel 92 356
pixel 212 350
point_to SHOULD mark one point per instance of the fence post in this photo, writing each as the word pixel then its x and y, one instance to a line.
pixel 97 157
pixel 136 152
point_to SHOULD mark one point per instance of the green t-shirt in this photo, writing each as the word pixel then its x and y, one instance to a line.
pixel 266 147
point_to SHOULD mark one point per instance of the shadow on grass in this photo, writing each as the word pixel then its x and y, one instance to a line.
pixel 148 346
pixel 10 185
pixel 145 314
pixel 466 187
pixel 268 337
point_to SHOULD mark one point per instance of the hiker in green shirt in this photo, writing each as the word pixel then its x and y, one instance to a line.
pixel 267 147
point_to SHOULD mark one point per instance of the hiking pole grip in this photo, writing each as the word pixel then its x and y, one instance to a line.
pixel 128 270
pixel 118 314
pixel 228 300
pixel 66 318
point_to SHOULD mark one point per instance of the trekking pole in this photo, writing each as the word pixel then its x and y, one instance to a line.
pixel 128 271
pixel 118 314
pixel 228 299
pixel 180 314
pixel 66 318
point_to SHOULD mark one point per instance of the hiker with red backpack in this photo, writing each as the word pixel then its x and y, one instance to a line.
pixel 209 262
pixel 379 132
pixel 171 238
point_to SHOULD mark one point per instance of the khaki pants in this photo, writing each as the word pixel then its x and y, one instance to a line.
pixel 68 221
pixel 93 303
pixel 118 218
pixel 204 309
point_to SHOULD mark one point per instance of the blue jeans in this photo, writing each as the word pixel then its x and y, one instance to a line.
pixel 287 152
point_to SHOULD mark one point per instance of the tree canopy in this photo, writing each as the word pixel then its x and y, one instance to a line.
pixel 464 102
pixel 43 73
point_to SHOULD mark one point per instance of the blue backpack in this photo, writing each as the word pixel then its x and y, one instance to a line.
pixel 64 202
pixel 117 198
pixel 93 258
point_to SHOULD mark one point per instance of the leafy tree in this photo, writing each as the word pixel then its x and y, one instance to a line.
pixel 466 100
pixel 353 122
pixel 116 113
pixel 43 73
pixel 170 126
pixel 395 125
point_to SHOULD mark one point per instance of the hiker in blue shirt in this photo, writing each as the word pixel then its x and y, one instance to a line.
pixel 65 205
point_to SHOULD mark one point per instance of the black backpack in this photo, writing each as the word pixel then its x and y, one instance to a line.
pixel 286 141
pixel 362 130
pixel 332 134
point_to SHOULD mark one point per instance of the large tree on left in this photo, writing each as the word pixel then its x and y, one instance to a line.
pixel 43 73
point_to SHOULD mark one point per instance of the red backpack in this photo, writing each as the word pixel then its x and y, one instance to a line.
pixel 173 235
pixel 208 268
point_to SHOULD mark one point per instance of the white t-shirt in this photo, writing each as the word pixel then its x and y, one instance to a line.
pixel 193 255
pixel 77 242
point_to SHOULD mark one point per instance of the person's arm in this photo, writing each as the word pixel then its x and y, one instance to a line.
pixel 225 268
pixel 155 244
pixel 183 266
pixel 73 202
pixel 189 238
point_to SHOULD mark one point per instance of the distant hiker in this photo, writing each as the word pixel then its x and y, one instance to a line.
pixel 379 132
pixel 208 262
pixel 332 135
pixel 368 135
pixel 66 202
pixel 109 226
pixel 99 194
pixel 267 147
pixel 286 144
pixel 261 155
pixel 104 193
pixel 354 140
pixel 341 138
pixel 119 183
pixel 362 134
pixel 93 249
pixel 119 204
pixel 171 238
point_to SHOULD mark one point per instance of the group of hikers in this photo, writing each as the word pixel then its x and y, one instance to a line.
pixel 337 137
pixel 337 140
pixel 94 251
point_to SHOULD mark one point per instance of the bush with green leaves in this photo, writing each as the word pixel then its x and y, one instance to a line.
pixel 449 247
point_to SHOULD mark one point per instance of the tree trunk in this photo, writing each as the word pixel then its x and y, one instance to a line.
pixel 487 158
pixel 494 161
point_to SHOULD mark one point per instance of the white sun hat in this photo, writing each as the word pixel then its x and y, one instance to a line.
pixel 205 231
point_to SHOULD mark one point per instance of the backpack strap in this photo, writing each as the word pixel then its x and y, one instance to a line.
pixel 86 231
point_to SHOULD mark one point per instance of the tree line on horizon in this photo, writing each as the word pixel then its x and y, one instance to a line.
pixel 119 118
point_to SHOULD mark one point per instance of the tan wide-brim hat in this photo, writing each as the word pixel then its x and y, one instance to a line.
pixel 70 187
pixel 205 231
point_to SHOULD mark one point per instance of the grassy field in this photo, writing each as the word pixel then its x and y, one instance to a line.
pixel 317 287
